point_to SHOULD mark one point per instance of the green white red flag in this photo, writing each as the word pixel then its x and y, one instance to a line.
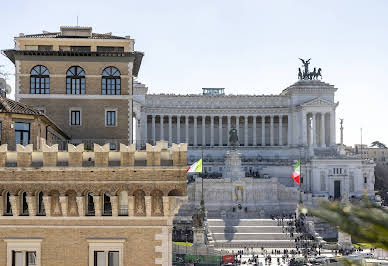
pixel 195 167
pixel 296 173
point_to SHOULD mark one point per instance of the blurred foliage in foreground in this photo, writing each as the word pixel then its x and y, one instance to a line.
pixel 365 221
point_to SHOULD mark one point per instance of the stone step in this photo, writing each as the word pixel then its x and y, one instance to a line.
pixel 251 236
pixel 247 229
pixel 243 222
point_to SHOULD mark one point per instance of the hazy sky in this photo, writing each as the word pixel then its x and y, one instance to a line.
pixel 247 47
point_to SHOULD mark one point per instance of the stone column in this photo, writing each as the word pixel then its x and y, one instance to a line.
pixel 246 131
pixel 289 130
pixel 47 205
pixel 97 205
pixel 187 129
pixel 31 202
pixel 166 207
pixel 161 128
pixel 314 129
pixel 254 135
pixel 203 131
pixel 144 127
pixel 15 205
pixel 153 129
pixel 212 130
pixel 271 131
pixel 323 139
pixel 304 128
pixel 131 205
pixel 195 131
pixel 220 130
pixel 170 129
pixel 63 200
pixel 228 130
pixel 280 130
pixel 263 130
pixel 80 205
pixel 114 201
pixel 178 129
pixel 332 128
pixel 148 200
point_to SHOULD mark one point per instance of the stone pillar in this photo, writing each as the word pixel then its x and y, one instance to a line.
pixel 166 207
pixel 97 205
pixel 195 131
pixel 220 130
pixel 31 202
pixel 75 155
pixel 15 205
pixel 50 154
pixel 314 129
pixel 212 130
pixel 323 137
pixel 63 200
pixel 332 128
pixel 131 205
pixel 203 130
pixel 271 131
pixel 280 130
pixel 47 205
pixel 24 155
pixel 127 155
pixel 254 135
pixel 289 130
pixel 145 125
pixel 187 129
pixel 178 129
pixel 304 128
pixel 2 205
pixel 153 129
pixel 161 128
pixel 80 205
pixel 114 201
pixel 101 155
pixel 148 200
pixel 170 129
pixel 228 130
pixel 245 130
pixel 263 130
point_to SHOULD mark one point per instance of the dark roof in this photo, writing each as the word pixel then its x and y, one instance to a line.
pixel 59 35
pixel 138 56
pixel 13 107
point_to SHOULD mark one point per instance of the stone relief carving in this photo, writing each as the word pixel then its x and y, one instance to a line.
pixel 140 207
pixel 157 203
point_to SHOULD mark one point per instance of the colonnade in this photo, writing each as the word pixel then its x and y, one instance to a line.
pixel 213 130
pixel 320 129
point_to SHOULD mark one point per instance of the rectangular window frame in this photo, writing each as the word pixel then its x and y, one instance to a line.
pixel 75 109
pixel 106 117
pixel 106 245
pixel 23 245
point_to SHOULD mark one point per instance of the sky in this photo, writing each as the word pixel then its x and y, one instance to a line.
pixel 246 46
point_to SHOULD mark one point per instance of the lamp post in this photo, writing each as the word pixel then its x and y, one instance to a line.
pixel 186 243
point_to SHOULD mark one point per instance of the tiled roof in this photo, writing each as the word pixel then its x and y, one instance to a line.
pixel 11 106
pixel 58 35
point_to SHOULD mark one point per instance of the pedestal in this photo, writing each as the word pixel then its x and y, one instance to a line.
pixel 233 168
pixel 344 240
pixel 199 236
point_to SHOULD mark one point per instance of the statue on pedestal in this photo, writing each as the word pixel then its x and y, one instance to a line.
pixel 233 137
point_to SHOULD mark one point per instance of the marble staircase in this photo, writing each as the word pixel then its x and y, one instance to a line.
pixel 257 233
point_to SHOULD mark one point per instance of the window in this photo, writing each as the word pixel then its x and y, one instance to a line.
pixel 75 80
pixel 107 205
pixel 75 117
pixel 110 49
pixel 39 80
pixel 23 252
pixel 8 207
pixel 111 82
pixel 22 133
pixel 90 205
pixel 106 252
pixel 45 47
pixel 80 48
pixel 110 118
pixel 23 204
pixel 41 209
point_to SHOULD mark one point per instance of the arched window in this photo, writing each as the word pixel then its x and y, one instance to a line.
pixel 24 205
pixel 107 204
pixel 41 209
pixel 39 80
pixel 111 82
pixel 75 80
pixel 8 207
pixel 90 205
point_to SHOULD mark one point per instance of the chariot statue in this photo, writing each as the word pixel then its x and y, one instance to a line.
pixel 306 74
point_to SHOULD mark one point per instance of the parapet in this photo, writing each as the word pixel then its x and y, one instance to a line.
pixel 101 156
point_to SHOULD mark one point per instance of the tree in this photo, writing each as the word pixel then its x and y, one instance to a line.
pixel 378 144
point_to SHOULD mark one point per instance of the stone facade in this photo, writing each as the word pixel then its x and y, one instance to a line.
pixel 115 201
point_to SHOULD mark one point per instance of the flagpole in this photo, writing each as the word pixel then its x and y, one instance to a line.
pixel 300 178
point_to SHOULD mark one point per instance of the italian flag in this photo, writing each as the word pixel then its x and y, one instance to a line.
pixel 195 167
pixel 296 173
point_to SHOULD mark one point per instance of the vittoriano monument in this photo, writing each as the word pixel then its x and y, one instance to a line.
pixel 306 74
